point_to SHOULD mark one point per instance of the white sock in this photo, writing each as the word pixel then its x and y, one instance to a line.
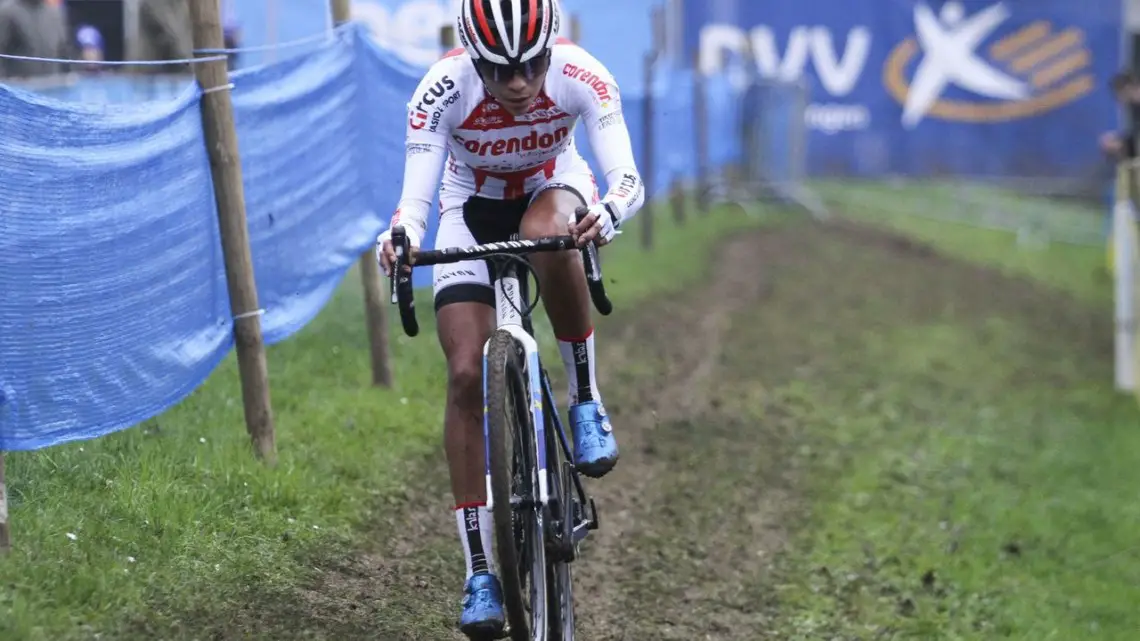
pixel 474 521
pixel 578 358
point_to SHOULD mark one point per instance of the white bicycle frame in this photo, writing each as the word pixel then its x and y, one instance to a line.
pixel 508 306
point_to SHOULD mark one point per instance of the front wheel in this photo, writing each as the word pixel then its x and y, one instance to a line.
pixel 519 537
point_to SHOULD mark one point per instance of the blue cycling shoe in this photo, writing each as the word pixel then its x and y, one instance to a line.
pixel 595 448
pixel 483 618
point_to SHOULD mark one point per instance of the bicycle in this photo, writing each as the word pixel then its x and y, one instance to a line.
pixel 523 435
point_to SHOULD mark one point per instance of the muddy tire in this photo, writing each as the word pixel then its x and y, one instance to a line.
pixel 520 548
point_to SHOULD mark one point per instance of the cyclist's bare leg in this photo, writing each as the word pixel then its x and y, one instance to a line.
pixel 463 328
pixel 562 282
pixel 561 278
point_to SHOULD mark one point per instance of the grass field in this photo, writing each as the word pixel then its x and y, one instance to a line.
pixel 841 435
pixel 972 472
pixel 163 527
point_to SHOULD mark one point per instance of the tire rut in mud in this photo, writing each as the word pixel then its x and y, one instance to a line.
pixel 694 511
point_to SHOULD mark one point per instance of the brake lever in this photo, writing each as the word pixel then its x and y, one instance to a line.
pixel 404 296
pixel 399 241
pixel 592 263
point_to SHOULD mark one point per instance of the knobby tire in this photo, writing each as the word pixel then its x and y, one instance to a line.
pixel 510 434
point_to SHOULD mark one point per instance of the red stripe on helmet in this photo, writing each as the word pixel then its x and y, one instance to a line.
pixel 481 14
pixel 533 20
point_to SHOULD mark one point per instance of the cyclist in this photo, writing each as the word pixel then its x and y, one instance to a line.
pixel 497 117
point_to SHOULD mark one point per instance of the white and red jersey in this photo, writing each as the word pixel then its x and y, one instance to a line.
pixel 490 153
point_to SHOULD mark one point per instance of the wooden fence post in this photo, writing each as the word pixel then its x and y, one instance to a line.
pixel 376 317
pixel 5 533
pixel 648 164
pixel 701 122
pixel 225 168
pixel 375 309
pixel 678 196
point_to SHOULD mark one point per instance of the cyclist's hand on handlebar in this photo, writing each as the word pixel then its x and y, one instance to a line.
pixel 386 253
pixel 595 224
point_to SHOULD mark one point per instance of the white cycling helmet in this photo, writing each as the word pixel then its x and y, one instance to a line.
pixel 508 33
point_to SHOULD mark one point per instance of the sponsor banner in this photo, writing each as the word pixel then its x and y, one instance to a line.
pixel 958 87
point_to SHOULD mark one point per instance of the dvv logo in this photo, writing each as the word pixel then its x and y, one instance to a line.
pixel 1017 73
pixel 836 60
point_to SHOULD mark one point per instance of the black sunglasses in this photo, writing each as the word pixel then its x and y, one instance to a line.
pixel 530 69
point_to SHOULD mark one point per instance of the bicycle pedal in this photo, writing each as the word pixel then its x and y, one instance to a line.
pixel 594 522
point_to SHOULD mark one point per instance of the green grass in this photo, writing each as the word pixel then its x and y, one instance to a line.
pixel 174 522
pixel 928 212
pixel 971 474
pixel 1018 503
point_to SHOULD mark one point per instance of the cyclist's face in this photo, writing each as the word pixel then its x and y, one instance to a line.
pixel 517 86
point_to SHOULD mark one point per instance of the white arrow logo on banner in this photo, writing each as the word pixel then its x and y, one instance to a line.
pixel 949 45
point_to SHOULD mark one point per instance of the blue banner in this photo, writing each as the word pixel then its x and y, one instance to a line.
pixel 973 87
pixel 87 350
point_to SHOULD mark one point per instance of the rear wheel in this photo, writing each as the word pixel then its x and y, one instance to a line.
pixel 563 518
pixel 559 576
pixel 561 602
pixel 519 537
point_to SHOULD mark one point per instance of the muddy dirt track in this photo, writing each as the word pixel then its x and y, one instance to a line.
pixel 697 510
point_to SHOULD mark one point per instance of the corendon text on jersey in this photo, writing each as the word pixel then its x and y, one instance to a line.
pixel 530 142
pixel 596 83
